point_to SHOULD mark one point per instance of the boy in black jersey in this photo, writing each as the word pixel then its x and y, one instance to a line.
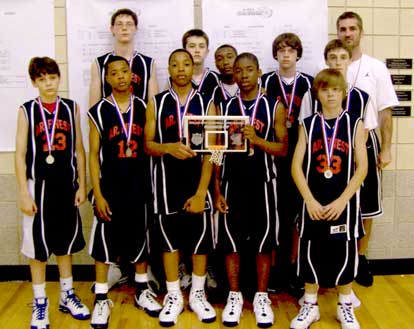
pixel 329 165
pixel 181 179
pixel 121 189
pixel 50 172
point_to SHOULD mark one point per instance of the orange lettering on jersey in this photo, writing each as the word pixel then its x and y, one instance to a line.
pixel 40 127
pixel 114 131
pixel 258 125
pixel 170 121
pixel 136 130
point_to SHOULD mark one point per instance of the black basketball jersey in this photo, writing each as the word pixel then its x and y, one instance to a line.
pixel 64 166
pixel 326 190
pixel 208 83
pixel 303 84
pixel 175 180
pixel 258 167
pixel 220 94
pixel 121 172
pixel 141 67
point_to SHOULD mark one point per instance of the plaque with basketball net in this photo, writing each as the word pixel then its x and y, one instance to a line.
pixel 215 134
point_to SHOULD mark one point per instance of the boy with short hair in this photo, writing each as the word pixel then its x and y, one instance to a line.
pixel 50 172
pixel 248 200
pixel 181 179
pixel 121 189
pixel 196 42
pixel 328 167
pixel 289 86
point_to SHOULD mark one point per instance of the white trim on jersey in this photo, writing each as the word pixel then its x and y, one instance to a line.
pixel 267 218
pixel 356 261
pixel 105 247
pixel 345 263
pixel 64 105
pixel 202 234
pixel 69 252
pixel 93 232
pixel 348 178
pixel 42 223
pixel 310 263
pixel 33 138
pixel 225 222
pixel 28 248
pixel 145 71
pixel 276 212
pixel 160 217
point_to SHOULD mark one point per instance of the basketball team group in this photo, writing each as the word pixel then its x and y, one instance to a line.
pixel 299 202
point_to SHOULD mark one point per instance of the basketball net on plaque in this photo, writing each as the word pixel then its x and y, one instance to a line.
pixel 215 134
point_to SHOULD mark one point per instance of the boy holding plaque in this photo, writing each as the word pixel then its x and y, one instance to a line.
pixel 328 167
pixel 248 204
pixel 50 172
pixel 121 189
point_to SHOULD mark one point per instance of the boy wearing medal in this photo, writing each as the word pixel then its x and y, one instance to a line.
pixel 181 179
pixel 248 204
pixel 290 87
pixel 328 167
pixel 50 172
pixel 121 189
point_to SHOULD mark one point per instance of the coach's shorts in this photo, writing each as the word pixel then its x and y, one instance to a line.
pixel 125 236
pixel 371 190
pixel 192 233
pixel 328 263
pixel 56 228
pixel 252 217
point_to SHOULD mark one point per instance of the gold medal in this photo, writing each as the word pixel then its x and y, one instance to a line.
pixel 328 174
pixel 128 152
pixel 50 159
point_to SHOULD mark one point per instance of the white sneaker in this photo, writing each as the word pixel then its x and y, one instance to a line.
pixel 40 314
pixel 346 316
pixel 115 277
pixel 199 305
pixel 232 312
pixel 308 314
pixel 356 302
pixel 147 302
pixel 70 303
pixel 101 314
pixel 185 278
pixel 173 306
pixel 262 307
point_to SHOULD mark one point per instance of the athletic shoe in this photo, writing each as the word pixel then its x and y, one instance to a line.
pixel 232 312
pixel 101 314
pixel 147 302
pixel 262 307
pixel 70 303
pixel 364 276
pixel 356 303
pixel 346 316
pixel 40 314
pixel 308 314
pixel 200 306
pixel 115 277
pixel 185 278
pixel 173 306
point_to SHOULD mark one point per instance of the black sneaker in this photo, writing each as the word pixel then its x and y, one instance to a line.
pixel 364 276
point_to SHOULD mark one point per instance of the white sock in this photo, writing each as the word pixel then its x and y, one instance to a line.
pixel 101 288
pixel 173 286
pixel 141 277
pixel 311 298
pixel 66 283
pixel 39 290
pixel 344 299
pixel 198 282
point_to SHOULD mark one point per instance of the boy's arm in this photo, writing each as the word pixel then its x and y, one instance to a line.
pixel 151 147
pixel 26 202
pixel 335 208
pixel 102 206
pixel 153 88
pixel 385 124
pixel 279 147
pixel 313 207
pixel 95 93
pixel 80 196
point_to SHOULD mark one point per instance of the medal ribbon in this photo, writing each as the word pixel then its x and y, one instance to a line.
pixel 126 132
pixel 181 115
pixel 329 147
pixel 256 104
pixel 207 70
pixel 50 135
pixel 292 95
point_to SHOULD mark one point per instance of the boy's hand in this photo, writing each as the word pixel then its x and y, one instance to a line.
pixel 180 151
pixel 220 204
pixel 80 196
pixel 195 204
pixel 250 134
pixel 27 205
pixel 102 209
pixel 334 209
pixel 315 210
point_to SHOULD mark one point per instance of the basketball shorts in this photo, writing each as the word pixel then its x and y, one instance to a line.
pixel 56 228
pixel 192 233
pixel 124 237
pixel 328 263
pixel 371 189
pixel 251 218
